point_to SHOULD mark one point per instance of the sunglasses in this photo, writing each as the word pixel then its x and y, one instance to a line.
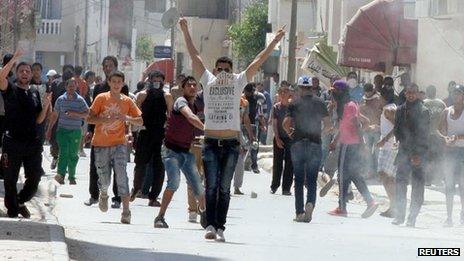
pixel 219 69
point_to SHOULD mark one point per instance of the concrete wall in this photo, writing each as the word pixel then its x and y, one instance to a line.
pixel 440 53
pixel 208 36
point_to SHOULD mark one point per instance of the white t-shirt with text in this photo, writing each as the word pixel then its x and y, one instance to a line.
pixel 222 99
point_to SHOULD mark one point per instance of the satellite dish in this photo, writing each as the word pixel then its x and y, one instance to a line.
pixel 170 18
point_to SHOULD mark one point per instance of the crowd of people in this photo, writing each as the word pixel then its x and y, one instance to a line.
pixel 209 124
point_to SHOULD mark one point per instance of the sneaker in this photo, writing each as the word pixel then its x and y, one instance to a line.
pixel 371 208
pixel 210 233
pixel 154 203
pixel 301 218
pixel 53 164
pixel 134 194
pixel 82 154
pixel 59 179
pixel 72 182
pixel 237 191
pixel 103 202
pixel 411 222
pixel 338 212
pixel 203 220
pixel 286 193
pixel 220 236
pixel 256 171
pixel 326 188
pixel 116 204
pixel 23 211
pixel 398 221
pixel 273 191
pixel 448 223
pixel 126 217
pixel 192 217
pixel 309 208
pixel 160 222
pixel 387 213
pixel 90 201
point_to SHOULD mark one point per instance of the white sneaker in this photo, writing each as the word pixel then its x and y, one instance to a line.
pixel 210 232
pixel 193 217
pixel 220 236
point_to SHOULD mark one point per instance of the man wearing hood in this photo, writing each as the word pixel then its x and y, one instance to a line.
pixel 372 109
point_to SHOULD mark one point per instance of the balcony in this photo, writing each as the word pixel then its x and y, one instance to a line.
pixel 50 27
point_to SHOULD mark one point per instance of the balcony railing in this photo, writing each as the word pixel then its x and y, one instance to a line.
pixel 50 26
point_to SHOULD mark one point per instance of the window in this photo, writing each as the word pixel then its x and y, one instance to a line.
pixel 155 6
pixel 439 7
pixel 216 9
pixel 50 9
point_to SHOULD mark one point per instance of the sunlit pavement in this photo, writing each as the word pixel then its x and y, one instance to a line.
pixel 259 228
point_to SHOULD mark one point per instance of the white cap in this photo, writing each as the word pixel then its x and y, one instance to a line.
pixel 305 81
pixel 51 73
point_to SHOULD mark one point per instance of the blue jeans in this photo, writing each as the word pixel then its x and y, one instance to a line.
pixel 219 160
pixel 349 170
pixel 306 159
pixel 174 162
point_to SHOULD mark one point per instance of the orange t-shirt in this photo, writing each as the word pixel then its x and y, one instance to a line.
pixel 114 133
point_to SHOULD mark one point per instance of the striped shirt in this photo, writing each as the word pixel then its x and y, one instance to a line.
pixel 63 104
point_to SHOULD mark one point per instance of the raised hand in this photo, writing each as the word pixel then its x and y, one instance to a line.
pixel 279 34
pixel 183 24
pixel 48 99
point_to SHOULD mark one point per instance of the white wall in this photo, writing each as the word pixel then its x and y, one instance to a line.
pixel 208 35
pixel 440 53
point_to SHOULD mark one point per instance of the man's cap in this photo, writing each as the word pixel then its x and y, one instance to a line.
pixel 459 88
pixel 340 85
pixel 305 81
pixel 51 73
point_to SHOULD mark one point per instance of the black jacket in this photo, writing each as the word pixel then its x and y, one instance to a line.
pixel 412 123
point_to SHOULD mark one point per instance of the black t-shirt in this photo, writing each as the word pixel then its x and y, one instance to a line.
pixel 22 107
pixel 307 113
pixel 278 114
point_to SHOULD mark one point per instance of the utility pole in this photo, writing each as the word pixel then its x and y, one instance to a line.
pixel 86 28
pixel 292 43
pixel 15 25
pixel 173 46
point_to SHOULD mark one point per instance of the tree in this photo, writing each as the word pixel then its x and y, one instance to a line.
pixel 145 49
pixel 249 36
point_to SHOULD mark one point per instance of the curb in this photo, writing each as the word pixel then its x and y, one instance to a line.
pixel 59 249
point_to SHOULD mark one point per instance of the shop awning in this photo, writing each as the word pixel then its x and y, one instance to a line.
pixel 379 36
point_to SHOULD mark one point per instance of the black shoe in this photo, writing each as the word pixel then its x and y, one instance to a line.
pixel 134 194
pixel 154 203
pixel 398 221
pixel 23 211
pixel 160 222
pixel 286 193
pixel 203 220
pixel 116 204
pixel 237 191
pixel 72 182
pixel 256 171
pixel 387 213
pixel 273 191
pixel 90 201
pixel 411 222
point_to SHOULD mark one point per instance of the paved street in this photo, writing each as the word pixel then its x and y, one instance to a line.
pixel 257 229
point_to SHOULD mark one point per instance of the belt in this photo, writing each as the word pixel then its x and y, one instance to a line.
pixel 222 142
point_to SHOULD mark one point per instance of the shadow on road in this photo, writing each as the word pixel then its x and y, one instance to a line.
pixel 82 250
pixel 24 230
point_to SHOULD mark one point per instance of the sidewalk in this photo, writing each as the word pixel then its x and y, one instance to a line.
pixel 37 238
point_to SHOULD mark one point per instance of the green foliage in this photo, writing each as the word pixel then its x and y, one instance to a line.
pixel 145 49
pixel 249 36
